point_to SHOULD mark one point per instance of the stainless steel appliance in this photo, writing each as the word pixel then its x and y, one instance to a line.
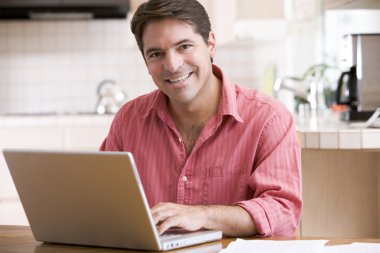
pixel 359 85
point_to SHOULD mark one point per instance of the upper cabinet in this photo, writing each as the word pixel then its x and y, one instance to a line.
pixel 352 4
pixel 222 17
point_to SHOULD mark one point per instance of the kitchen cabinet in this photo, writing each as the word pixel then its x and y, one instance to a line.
pixel 224 16
pixel 340 193
pixel 341 179
pixel 352 4
pixel 257 9
pixel 222 24
pixel 43 132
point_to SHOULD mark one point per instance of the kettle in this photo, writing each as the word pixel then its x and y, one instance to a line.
pixel 347 89
pixel 110 97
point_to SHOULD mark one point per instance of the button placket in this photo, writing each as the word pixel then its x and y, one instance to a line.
pixel 184 182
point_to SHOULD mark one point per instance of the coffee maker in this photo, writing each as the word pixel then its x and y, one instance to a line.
pixel 359 86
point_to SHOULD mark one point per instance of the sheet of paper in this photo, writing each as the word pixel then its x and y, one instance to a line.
pixel 270 246
pixel 353 248
pixel 298 246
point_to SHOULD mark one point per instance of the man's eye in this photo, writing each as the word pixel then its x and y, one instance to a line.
pixel 186 46
pixel 154 55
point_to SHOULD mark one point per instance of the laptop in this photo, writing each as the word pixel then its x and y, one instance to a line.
pixel 90 198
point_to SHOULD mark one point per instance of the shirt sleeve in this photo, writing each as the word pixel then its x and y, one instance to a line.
pixel 276 180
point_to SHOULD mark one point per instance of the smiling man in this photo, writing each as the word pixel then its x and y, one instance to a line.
pixel 210 154
pixel 179 62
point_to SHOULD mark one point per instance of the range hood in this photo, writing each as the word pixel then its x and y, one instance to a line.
pixel 63 9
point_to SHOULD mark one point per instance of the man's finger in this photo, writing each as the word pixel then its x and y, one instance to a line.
pixel 160 216
pixel 173 221
pixel 162 212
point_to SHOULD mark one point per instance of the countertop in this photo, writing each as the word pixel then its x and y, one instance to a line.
pixel 54 119
pixel 329 132
pixel 324 132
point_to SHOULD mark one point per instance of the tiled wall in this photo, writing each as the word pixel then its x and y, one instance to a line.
pixel 55 66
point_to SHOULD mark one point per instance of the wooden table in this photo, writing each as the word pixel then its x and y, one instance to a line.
pixel 19 239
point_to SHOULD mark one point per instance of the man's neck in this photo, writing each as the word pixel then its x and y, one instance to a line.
pixel 191 119
pixel 200 111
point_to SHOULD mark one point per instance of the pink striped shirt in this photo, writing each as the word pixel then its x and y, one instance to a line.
pixel 246 155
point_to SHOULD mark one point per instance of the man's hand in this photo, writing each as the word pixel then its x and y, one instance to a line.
pixel 167 215
pixel 232 220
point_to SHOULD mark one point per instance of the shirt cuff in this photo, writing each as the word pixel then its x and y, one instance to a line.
pixel 258 215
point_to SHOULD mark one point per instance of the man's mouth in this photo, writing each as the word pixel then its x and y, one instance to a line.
pixel 179 79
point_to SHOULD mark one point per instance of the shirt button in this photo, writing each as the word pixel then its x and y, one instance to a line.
pixel 184 178
pixel 179 139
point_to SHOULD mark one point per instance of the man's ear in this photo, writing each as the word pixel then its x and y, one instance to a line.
pixel 212 44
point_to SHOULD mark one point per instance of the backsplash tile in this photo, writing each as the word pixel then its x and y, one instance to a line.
pixel 55 66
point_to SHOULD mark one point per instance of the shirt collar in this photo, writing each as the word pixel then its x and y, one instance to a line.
pixel 228 102
pixel 158 105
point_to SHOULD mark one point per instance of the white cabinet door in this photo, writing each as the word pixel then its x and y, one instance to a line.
pixel 85 137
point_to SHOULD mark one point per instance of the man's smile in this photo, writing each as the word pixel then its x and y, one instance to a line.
pixel 179 79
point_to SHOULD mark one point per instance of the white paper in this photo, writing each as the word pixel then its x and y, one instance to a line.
pixel 356 247
pixel 298 246
pixel 270 246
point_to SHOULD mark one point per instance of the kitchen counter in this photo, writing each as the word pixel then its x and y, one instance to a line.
pixel 58 131
pixel 54 119
pixel 328 132
pixel 340 177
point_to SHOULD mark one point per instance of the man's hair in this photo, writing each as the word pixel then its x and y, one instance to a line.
pixel 189 11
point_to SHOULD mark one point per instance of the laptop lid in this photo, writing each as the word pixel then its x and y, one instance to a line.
pixel 88 198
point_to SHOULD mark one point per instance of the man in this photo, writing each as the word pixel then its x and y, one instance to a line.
pixel 210 154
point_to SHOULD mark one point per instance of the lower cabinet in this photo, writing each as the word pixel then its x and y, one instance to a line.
pixel 341 193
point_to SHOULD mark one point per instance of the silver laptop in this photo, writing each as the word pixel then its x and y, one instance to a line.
pixel 90 198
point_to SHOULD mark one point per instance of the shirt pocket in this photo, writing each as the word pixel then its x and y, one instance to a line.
pixel 224 185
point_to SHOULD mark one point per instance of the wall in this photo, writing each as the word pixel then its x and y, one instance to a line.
pixel 55 66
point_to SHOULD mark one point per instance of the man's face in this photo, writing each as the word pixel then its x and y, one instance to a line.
pixel 178 60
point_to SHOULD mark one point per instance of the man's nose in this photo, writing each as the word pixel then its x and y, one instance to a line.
pixel 172 62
